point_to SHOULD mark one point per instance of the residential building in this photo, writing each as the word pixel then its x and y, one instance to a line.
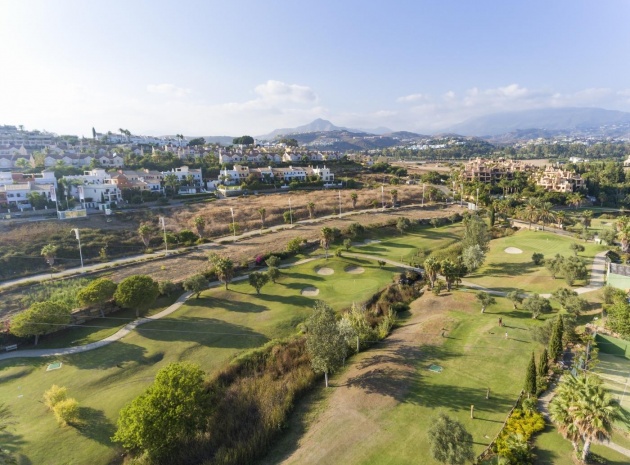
pixel 491 171
pixel 559 180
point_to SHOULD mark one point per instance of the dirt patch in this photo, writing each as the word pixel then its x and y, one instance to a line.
pixel 379 378
pixel 513 250
pixel 309 291
pixel 354 269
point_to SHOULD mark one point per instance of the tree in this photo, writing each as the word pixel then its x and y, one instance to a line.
pixel 431 269
pixel 475 233
pixel 394 196
pixel 67 412
pixel 289 142
pixel 196 284
pixel 326 236
pixel 200 225
pixel 562 294
pixel 311 210
pixel 554 265
pixel 257 280
pixel 97 292
pixel 167 287
pixel 576 248
pixel 273 273
pixel 325 344
pixel 546 214
pixel 402 224
pixel 449 271
pixel 347 244
pixel 583 409
pixel 450 442
pixel 263 213
pixel 145 233
pixel 543 364
pixel 173 409
pixel 49 252
pixel 536 305
pixel 172 181
pixel 538 258
pixel 515 297
pixel 137 292
pixel 54 395
pixel 555 342
pixel 289 217
pixel 243 140
pixel 530 212
pixel 295 245
pixel 40 319
pixel 473 257
pixel 587 218
pixel 273 261
pixel 354 197
pixel 224 268
pixel 485 300
pixel 530 377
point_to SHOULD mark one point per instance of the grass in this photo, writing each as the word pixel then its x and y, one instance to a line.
pixel 406 247
pixel 475 356
pixel 509 272
pixel 209 331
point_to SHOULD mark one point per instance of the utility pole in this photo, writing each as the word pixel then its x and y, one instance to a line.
pixel 76 233
pixel 163 223
pixel 233 223
pixel 290 212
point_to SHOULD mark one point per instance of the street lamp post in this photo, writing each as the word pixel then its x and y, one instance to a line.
pixel 78 236
pixel 233 223
pixel 163 223
pixel 423 194
pixel 461 195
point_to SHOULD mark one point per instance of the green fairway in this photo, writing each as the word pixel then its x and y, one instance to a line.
pixel 507 272
pixel 405 247
pixel 208 331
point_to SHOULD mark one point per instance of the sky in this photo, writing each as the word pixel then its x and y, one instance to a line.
pixel 237 67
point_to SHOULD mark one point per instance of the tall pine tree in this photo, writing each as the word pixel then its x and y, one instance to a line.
pixel 555 343
pixel 543 364
pixel 530 377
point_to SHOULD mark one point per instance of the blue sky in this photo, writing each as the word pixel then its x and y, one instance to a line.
pixel 248 67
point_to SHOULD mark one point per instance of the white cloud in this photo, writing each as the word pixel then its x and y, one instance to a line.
pixel 168 89
pixel 277 91
pixel 411 98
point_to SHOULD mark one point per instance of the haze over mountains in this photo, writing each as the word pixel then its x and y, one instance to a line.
pixel 497 127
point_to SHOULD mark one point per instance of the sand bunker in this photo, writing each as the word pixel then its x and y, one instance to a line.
pixel 325 271
pixel 513 250
pixel 354 269
pixel 371 241
pixel 309 291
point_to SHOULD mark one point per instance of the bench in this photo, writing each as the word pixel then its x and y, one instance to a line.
pixel 11 347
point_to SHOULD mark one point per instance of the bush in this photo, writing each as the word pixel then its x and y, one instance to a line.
pixel 67 412
pixel 538 258
pixel 167 287
pixel 54 395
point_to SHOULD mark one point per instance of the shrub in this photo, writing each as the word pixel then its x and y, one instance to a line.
pixel 67 412
pixel 538 258
pixel 167 287
pixel 55 395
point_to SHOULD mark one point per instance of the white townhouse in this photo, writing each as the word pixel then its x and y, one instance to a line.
pixel 183 173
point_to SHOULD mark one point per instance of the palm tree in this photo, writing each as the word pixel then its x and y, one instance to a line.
pixel 394 196
pixel 587 217
pixel 560 218
pixel 449 271
pixel 530 211
pixel 583 409
pixel 546 214
pixel 327 235
pixel 354 196
pixel 576 199
pixel 263 213
pixel 311 209
pixel 200 225
pixel 172 181
pixel 431 269
pixel 145 234
pixel 49 252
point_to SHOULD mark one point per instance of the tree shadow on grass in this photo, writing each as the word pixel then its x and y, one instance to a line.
pixel 208 332
pixel 12 443
pixel 295 300
pixel 94 425
pixel 116 354
pixel 297 275
pixel 226 304
pixel 508 269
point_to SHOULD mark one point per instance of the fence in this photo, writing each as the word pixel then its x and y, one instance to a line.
pixel 488 450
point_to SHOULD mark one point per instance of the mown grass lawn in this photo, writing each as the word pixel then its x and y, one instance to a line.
pixel 507 272
pixel 208 331
pixel 551 448
pixel 411 245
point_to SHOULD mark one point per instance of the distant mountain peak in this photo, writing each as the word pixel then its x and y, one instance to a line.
pixel 317 125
